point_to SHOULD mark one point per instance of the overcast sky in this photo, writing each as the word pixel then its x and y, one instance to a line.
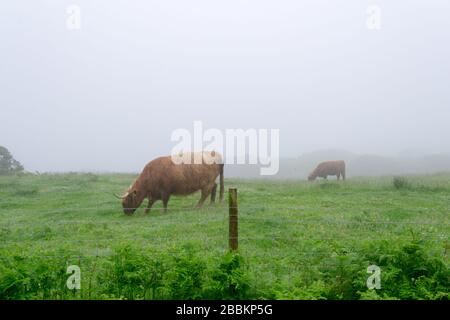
pixel 108 96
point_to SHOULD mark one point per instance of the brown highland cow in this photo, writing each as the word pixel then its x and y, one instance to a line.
pixel 328 168
pixel 163 177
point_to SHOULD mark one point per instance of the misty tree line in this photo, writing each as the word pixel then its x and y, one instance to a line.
pixel 8 165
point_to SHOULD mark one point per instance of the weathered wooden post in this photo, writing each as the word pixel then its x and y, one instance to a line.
pixel 233 210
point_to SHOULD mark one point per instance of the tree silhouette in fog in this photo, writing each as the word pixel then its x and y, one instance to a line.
pixel 8 165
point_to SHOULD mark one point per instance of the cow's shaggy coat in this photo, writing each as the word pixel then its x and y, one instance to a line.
pixel 163 177
pixel 328 168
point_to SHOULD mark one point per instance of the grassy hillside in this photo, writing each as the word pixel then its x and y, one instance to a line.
pixel 297 240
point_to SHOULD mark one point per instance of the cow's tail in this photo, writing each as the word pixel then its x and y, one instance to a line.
pixel 221 181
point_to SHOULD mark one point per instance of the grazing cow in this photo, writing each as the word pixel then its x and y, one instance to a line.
pixel 163 177
pixel 328 168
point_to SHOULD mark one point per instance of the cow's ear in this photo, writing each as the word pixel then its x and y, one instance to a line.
pixel 134 192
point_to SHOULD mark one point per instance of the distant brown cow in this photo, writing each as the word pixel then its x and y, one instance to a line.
pixel 162 177
pixel 328 168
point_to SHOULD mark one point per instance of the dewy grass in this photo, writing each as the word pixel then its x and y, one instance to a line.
pixel 297 240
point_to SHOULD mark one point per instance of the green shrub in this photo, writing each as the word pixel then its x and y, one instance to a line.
pixel 36 277
pixel 318 290
pixel 340 274
pixel 179 274
pixel 130 274
pixel 187 276
pixel 408 271
pixel 400 183
pixel 230 279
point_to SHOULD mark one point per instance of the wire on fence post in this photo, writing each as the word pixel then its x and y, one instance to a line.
pixel 233 222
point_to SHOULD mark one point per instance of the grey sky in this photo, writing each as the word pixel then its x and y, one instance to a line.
pixel 108 96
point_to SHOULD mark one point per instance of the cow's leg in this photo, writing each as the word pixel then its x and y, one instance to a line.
pixel 338 176
pixel 213 193
pixel 205 194
pixel 151 201
pixel 343 175
pixel 165 200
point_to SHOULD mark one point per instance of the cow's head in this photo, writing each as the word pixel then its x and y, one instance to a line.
pixel 130 201
pixel 311 176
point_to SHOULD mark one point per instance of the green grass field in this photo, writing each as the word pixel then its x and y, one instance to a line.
pixel 297 240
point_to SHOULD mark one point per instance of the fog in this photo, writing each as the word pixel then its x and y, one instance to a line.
pixel 107 96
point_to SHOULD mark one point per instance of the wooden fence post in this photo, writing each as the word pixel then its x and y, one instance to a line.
pixel 233 209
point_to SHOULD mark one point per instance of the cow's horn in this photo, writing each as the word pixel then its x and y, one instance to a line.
pixel 119 197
